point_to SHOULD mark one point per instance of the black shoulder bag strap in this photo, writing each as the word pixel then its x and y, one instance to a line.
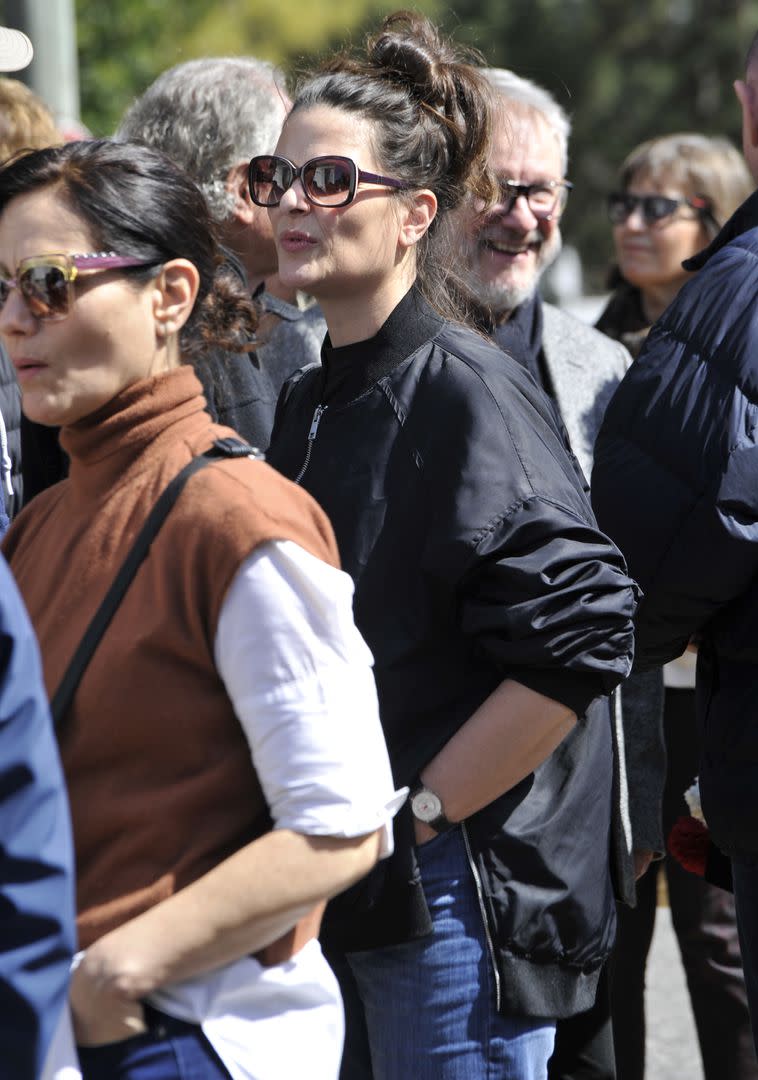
pixel 131 564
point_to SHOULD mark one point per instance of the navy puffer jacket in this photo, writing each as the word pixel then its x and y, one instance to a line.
pixel 675 484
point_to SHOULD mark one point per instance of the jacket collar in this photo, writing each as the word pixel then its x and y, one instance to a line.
pixel 744 217
pixel 351 370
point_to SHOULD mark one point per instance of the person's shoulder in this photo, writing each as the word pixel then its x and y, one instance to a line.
pixel 467 357
pixel 715 304
pixel 483 405
pixel 238 502
pixel 34 517
pixel 564 332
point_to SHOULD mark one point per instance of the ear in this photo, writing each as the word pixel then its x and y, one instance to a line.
pixel 173 297
pixel 419 211
pixel 237 186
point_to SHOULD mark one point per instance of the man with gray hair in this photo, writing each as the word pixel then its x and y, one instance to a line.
pixel 211 116
pixel 512 246
pixel 509 249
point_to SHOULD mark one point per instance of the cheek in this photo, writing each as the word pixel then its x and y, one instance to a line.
pixel 547 229
pixel 675 247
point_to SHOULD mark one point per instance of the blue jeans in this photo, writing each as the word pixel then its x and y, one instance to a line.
pixel 170 1050
pixel 426 1009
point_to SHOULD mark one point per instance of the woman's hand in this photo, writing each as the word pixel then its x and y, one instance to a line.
pixel 103 999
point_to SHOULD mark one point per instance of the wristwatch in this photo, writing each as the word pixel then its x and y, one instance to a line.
pixel 426 806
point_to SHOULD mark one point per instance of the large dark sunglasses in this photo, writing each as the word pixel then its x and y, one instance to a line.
pixel 621 205
pixel 46 282
pixel 327 180
pixel 544 199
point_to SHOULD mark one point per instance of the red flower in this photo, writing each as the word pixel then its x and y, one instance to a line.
pixel 689 843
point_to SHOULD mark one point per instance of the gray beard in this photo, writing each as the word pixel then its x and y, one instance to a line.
pixel 500 299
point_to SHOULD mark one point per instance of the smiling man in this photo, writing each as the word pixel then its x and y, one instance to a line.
pixel 511 247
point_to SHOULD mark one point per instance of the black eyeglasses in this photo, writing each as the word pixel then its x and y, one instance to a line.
pixel 46 282
pixel 544 199
pixel 621 205
pixel 328 180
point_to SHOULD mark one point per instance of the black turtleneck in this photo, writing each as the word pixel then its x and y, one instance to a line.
pixel 348 371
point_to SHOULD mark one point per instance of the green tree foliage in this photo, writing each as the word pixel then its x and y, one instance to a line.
pixel 124 45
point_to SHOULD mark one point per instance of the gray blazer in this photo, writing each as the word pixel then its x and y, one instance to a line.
pixel 585 368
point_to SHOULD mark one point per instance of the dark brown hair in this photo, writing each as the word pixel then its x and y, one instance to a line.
pixel 430 108
pixel 136 202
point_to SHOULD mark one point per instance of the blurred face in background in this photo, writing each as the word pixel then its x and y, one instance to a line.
pixel 509 251
pixel 650 253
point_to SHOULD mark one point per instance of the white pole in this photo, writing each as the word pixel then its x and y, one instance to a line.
pixel 54 71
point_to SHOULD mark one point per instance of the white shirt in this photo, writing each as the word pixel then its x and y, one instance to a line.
pixel 299 676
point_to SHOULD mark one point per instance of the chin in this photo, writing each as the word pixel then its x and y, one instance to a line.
pixel 502 297
pixel 47 416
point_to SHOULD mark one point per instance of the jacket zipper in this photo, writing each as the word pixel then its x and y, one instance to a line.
pixel 482 909
pixel 320 410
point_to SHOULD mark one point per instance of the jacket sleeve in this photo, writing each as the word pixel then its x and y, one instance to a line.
pixel 37 931
pixel 549 600
pixel 540 589
pixel 676 460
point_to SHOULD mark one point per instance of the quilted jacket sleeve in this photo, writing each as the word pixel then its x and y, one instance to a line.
pixel 674 482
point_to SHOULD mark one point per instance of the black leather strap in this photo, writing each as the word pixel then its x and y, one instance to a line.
pixel 101 620
pixel 440 823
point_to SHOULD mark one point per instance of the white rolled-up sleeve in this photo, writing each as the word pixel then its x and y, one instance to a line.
pixel 300 678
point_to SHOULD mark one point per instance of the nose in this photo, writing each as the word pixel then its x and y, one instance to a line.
pixel 293 200
pixel 636 220
pixel 15 316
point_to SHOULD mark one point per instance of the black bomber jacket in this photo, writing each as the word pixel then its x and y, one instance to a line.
pixel 475 557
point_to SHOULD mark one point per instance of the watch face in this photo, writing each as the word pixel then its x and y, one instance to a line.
pixel 426 806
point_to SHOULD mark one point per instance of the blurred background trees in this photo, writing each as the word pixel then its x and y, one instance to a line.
pixel 623 71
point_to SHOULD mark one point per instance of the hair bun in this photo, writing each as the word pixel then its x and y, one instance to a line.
pixel 409 50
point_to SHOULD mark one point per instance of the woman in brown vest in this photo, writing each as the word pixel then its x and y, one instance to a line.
pixel 231 689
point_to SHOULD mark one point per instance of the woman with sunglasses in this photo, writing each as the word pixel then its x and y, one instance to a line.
pixel 495 609
pixel 675 193
pixel 231 691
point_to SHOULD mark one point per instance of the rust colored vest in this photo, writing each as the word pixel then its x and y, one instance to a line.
pixel 159 773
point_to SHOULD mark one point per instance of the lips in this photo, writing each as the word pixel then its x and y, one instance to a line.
pixel 293 240
pixel 508 243
pixel 27 368
pixel 506 248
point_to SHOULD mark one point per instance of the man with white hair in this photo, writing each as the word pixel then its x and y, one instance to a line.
pixel 509 249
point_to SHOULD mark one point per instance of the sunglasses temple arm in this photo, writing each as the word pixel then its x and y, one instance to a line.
pixel 376 178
